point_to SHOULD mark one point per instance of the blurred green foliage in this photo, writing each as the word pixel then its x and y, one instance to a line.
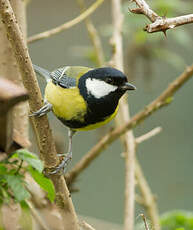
pixel 177 220
pixel 12 180
pixel 172 220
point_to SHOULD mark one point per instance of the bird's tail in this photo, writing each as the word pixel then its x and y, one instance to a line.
pixel 42 72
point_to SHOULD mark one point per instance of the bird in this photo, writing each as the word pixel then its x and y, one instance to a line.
pixel 82 98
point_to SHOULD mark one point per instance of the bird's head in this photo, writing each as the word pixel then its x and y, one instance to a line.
pixel 104 83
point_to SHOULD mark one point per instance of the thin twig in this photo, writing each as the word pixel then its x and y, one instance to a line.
pixel 148 135
pixel 85 225
pixel 164 99
pixel 94 37
pixel 37 217
pixel 148 198
pixel 143 8
pixel 129 157
pixel 145 221
pixel 159 23
pixel 43 132
pixel 66 25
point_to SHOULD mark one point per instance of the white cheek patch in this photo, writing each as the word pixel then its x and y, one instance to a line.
pixel 99 88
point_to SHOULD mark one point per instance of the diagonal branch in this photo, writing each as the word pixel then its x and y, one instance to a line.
pixel 148 135
pixel 149 201
pixel 145 221
pixel 37 216
pixel 159 23
pixel 164 99
pixel 66 25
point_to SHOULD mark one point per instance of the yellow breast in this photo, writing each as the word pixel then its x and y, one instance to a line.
pixel 67 103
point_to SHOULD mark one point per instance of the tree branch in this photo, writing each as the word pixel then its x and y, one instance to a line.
pixel 148 198
pixel 145 221
pixel 123 117
pixel 159 23
pixel 139 199
pixel 164 99
pixel 43 132
pixel 37 216
pixel 148 135
pixel 66 25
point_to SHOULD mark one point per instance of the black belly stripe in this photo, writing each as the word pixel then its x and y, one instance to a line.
pixel 75 124
pixel 96 112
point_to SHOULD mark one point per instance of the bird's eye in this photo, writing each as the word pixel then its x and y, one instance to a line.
pixel 109 80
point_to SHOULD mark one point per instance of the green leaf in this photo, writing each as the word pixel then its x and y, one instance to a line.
pixel 30 158
pixel 45 183
pixel 16 185
pixel 3 169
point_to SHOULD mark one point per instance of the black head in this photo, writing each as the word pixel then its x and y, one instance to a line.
pixel 103 83
pixel 102 88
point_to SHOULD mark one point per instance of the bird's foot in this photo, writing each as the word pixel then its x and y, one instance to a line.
pixel 42 111
pixel 63 165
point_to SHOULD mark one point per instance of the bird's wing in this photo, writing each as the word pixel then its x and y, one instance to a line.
pixel 68 76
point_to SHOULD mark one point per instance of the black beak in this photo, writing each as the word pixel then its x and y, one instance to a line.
pixel 127 86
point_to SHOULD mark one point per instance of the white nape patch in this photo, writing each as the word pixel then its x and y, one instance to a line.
pixel 99 88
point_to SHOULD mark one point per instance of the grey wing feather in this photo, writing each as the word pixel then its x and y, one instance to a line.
pixel 60 78
pixel 43 72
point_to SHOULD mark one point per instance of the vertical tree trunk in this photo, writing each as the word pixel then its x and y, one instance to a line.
pixel 9 69
pixel 122 118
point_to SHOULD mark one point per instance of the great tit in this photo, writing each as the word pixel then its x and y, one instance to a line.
pixel 82 98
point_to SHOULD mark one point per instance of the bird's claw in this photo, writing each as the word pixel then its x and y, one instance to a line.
pixel 63 164
pixel 37 113
pixel 42 111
